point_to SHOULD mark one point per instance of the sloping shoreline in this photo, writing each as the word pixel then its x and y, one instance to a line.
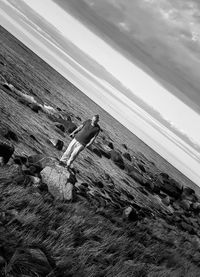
pixel 127 216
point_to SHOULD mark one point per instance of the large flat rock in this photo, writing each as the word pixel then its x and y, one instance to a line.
pixel 60 182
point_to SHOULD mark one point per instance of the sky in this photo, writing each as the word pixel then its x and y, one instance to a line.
pixel 119 79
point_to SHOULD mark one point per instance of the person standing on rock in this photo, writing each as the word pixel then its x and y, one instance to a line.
pixel 83 136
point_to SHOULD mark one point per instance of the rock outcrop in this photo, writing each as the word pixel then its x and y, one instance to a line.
pixel 60 182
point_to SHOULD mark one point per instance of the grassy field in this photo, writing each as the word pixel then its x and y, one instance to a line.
pixel 41 236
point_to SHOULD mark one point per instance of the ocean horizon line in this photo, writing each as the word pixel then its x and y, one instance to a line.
pixel 189 172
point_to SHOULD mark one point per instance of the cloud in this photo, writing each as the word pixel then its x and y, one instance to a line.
pixel 181 133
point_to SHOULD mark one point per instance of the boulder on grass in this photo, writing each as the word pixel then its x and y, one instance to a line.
pixel 188 193
pixel 35 107
pixel 166 200
pixel 7 133
pixel 185 204
pixel 141 167
pixel 60 127
pixel 6 151
pixel 137 176
pixel 60 182
pixel 164 175
pixel 59 144
pixel 39 161
pixel 96 151
pixel 196 207
pixel 171 189
pixel 108 143
pixel 127 156
pixel 117 159
pixel 130 214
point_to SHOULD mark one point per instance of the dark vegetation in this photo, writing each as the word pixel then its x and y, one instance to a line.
pixel 126 217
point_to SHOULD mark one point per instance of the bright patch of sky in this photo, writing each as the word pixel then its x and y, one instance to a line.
pixel 127 73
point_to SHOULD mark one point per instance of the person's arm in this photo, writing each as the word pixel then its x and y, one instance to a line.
pixel 76 130
pixel 92 140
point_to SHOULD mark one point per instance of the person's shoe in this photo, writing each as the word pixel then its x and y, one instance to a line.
pixel 62 164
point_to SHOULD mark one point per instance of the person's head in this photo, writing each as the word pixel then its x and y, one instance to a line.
pixel 95 119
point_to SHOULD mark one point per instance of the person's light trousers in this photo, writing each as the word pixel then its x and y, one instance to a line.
pixel 72 152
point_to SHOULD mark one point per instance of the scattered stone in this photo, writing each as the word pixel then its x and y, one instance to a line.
pixel 6 151
pixel 59 144
pixel 107 177
pixel 166 200
pixel 170 189
pixel 20 160
pixel 130 214
pixel 141 167
pixel 110 185
pixel 187 192
pixel 59 181
pixel 35 107
pixel 78 117
pixel 164 175
pixel 68 125
pixel 175 205
pixel 185 204
pixel 155 186
pixel 60 127
pixel 59 132
pixel 2 63
pixel 196 207
pixel 96 151
pixel 49 110
pixel 124 145
pixel 85 185
pixel 117 159
pixel 22 180
pixel 127 156
pixel 33 137
pixel 135 175
pixel 176 184
pixel 7 86
pixel 81 189
pixel 10 135
pixel 109 144
pixel 35 181
pixel 130 167
pixel 98 184
pixel 34 169
pixel 105 153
